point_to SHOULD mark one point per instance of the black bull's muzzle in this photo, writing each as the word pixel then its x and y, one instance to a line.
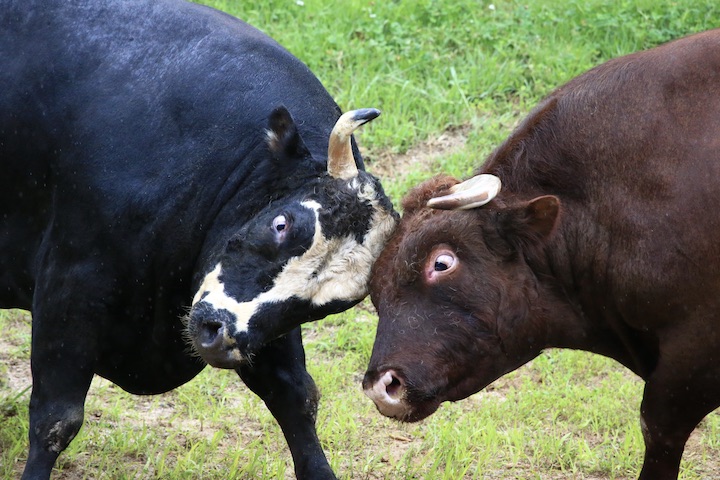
pixel 215 336
pixel 212 334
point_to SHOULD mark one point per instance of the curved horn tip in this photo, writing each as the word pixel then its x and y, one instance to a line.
pixel 365 114
pixel 341 162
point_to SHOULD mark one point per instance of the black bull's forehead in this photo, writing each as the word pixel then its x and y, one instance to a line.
pixel 352 221
pixel 347 211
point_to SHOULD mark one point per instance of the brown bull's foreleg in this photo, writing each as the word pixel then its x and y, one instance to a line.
pixel 671 409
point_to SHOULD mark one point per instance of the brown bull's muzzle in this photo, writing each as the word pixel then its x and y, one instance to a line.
pixel 400 394
pixel 388 392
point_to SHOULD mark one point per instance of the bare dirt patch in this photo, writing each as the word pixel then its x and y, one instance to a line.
pixel 14 364
pixel 421 157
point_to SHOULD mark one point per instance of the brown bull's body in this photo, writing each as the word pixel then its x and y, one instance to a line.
pixel 604 237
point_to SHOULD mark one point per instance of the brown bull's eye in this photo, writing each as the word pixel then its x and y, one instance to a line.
pixel 444 262
pixel 441 264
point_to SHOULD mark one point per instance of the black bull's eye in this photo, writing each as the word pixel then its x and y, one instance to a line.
pixel 281 227
pixel 279 223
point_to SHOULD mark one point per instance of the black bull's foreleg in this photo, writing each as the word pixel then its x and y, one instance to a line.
pixel 61 379
pixel 279 377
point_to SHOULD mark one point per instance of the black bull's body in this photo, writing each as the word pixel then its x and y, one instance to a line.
pixel 149 163
pixel 603 237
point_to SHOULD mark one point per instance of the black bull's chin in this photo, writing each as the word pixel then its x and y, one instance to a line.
pixel 214 336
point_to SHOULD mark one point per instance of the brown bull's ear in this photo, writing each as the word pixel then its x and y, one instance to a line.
pixel 283 138
pixel 542 214
pixel 529 222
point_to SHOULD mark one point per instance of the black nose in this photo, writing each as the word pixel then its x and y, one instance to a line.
pixel 211 337
pixel 210 334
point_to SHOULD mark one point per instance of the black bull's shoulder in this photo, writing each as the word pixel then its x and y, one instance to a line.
pixel 134 144
pixel 126 130
pixel 138 122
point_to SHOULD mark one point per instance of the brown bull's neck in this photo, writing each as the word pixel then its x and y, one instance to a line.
pixel 580 311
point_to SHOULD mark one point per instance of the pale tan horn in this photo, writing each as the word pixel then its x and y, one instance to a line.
pixel 471 193
pixel 341 163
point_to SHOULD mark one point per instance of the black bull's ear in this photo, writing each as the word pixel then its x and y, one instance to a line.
pixel 283 138
pixel 531 221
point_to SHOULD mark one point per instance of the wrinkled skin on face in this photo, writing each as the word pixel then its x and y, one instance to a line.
pixel 455 300
pixel 304 255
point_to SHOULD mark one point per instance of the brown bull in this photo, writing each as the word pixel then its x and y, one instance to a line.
pixel 604 237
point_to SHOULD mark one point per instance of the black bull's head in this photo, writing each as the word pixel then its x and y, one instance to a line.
pixel 306 254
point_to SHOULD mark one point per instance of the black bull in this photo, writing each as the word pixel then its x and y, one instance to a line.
pixel 150 163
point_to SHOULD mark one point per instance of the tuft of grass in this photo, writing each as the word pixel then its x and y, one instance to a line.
pixel 434 64
pixel 565 415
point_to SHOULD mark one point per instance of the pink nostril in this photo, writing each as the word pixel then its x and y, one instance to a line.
pixel 393 385
pixel 388 389
pixel 388 393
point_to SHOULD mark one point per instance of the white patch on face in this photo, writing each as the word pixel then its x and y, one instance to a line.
pixel 219 300
pixel 331 269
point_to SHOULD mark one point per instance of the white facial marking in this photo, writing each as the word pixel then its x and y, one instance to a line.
pixel 331 269
pixel 219 300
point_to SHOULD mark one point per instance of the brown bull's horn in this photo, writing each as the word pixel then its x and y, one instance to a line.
pixel 341 163
pixel 471 193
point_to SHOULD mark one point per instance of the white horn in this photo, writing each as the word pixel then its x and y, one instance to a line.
pixel 471 193
pixel 341 163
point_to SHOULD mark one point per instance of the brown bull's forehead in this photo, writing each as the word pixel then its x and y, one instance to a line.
pixel 413 240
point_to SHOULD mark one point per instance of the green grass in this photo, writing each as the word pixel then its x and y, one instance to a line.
pixel 431 64
pixel 432 67
pixel 565 415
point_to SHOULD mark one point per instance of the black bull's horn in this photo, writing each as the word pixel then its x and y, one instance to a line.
pixel 341 163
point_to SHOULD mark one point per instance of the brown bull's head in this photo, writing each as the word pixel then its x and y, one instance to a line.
pixel 455 296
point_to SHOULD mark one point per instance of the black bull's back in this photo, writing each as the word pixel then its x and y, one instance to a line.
pixel 144 144
pixel 603 237
pixel 135 122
